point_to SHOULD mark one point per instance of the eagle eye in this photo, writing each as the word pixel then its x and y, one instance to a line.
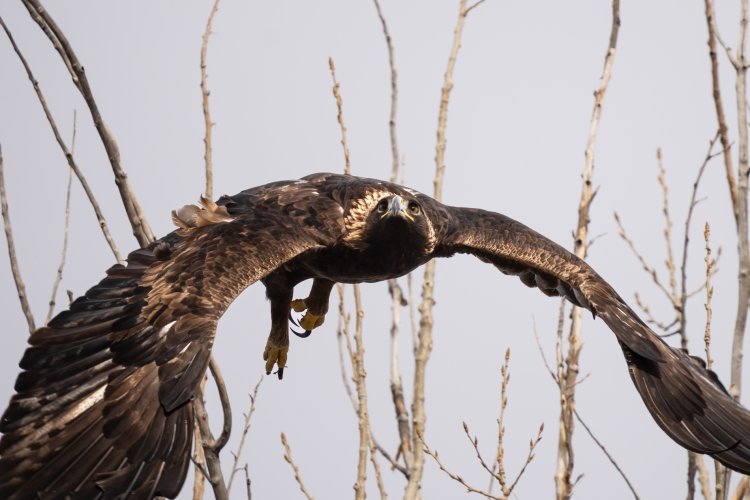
pixel 382 206
pixel 414 208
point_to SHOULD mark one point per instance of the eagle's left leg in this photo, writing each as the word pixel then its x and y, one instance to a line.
pixel 279 291
pixel 316 305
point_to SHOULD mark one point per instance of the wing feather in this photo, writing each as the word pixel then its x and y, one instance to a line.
pixel 103 406
pixel 684 398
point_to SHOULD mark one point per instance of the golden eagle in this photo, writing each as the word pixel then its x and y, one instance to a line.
pixel 103 407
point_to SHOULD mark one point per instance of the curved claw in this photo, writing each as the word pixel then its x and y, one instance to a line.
pixel 301 334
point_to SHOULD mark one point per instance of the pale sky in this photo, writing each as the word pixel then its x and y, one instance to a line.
pixel 517 128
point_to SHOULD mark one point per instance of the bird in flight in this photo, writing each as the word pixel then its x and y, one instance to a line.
pixel 104 403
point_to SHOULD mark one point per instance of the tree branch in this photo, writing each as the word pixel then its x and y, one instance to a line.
pixel 20 287
pixel 207 155
pixel 567 377
pixel 141 229
pixel 68 155
pixel 245 429
pixel 290 461
pixel 66 226
pixel 424 343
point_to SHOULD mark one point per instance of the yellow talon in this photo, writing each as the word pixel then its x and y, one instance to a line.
pixel 299 305
pixel 274 354
pixel 310 321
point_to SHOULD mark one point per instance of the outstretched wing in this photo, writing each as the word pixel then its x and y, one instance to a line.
pixel 103 406
pixel 686 400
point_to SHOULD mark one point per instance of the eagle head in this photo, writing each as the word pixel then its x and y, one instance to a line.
pixel 395 223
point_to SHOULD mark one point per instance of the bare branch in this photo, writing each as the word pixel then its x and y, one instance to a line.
pixel 245 429
pixel 342 332
pixel 290 461
pixel 735 386
pixel 68 155
pixel 340 117
pixel 358 370
pixel 141 229
pixel 567 378
pixel 529 457
pixel 226 407
pixel 207 155
pixel 66 226
pixel 683 268
pixel 247 483
pixel 604 450
pixel 719 105
pixel 455 477
pixel 645 265
pixel 394 94
pixel 213 466
pixel 667 222
pixel 20 287
pixel 395 291
pixel 709 295
pixel 703 476
pixel 397 388
pixel 505 378
pixel 424 343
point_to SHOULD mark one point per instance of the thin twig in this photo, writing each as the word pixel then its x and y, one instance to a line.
pixel 394 289
pixel 342 332
pixel 719 106
pixel 394 95
pixel 226 409
pixel 505 378
pixel 567 377
pixel 340 117
pixel 66 227
pixel 529 457
pixel 247 483
pixel 15 270
pixel 424 343
pixel 212 447
pixel 455 477
pixel 212 472
pixel 245 428
pixel 709 296
pixel 741 210
pixel 397 388
pixel 290 461
pixel 609 457
pixel 140 226
pixel 358 370
pixel 68 155
pixel 703 477
pixel 207 155
pixel 683 268
pixel 671 269
pixel 376 467
pixel 650 270
pixel 735 386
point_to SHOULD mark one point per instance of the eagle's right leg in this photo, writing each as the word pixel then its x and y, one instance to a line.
pixel 316 305
pixel 279 291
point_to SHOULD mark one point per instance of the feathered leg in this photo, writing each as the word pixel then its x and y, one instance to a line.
pixel 316 305
pixel 279 292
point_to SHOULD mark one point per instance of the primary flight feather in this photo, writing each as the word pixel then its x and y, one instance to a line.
pixel 103 407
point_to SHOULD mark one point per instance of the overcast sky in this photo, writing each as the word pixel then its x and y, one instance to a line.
pixel 517 128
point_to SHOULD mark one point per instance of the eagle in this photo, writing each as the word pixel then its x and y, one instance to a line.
pixel 104 403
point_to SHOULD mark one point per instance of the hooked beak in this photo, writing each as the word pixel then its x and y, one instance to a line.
pixel 397 208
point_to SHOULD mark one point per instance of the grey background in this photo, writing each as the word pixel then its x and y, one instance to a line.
pixel 518 122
